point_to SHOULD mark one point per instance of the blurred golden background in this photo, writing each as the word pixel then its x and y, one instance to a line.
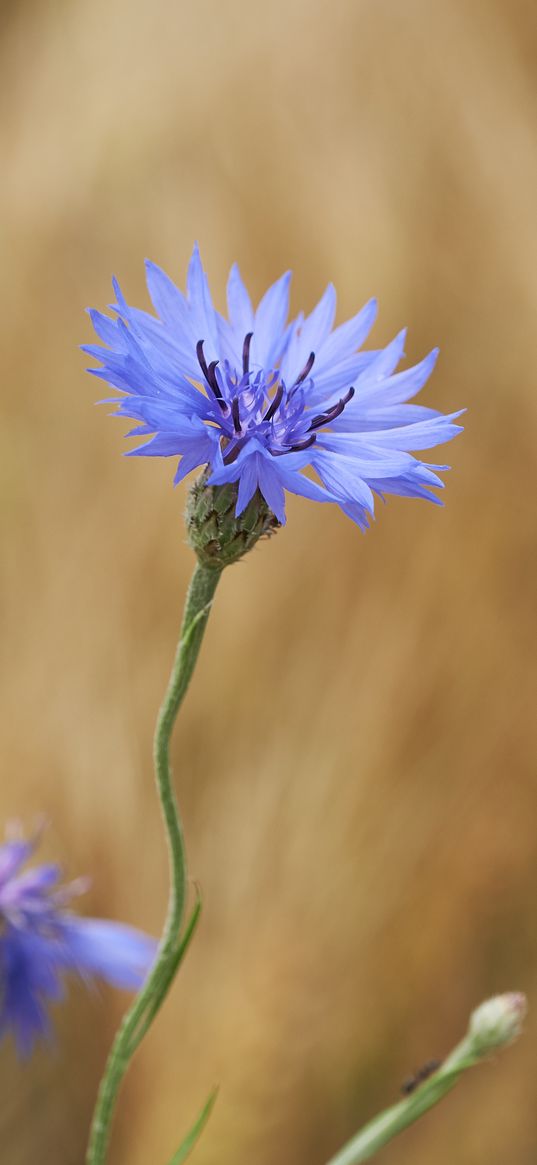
pixel 356 759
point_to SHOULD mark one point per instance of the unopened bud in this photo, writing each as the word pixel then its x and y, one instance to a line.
pixel 497 1022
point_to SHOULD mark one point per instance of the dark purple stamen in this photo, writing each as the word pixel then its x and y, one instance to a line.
pixel 235 414
pixel 303 444
pixel 209 372
pixel 306 369
pixel 246 353
pixel 212 378
pixel 331 414
pixel 274 404
pixel 230 457
pixel 201 358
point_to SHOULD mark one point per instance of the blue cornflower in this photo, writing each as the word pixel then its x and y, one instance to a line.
pixel 41 940
pixel 260 401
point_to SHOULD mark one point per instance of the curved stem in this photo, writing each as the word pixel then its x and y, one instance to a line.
pixel 493 1025
pixel 172 946
pixel 384 1127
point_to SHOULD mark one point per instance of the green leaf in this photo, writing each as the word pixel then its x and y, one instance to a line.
pixel 153 1005
pixel 195 1132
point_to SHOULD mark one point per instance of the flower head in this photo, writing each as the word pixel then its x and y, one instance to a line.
pixel 41 940
pixel 497 1021
pixel 260 401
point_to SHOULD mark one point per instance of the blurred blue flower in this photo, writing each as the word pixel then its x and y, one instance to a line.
pixel 41 940
pixel 260 400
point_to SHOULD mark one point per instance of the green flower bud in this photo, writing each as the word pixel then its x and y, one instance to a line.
pixel 214 533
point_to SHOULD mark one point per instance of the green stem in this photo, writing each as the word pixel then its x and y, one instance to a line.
pixel 393 1120
pixel 153 1005
pixel 172 946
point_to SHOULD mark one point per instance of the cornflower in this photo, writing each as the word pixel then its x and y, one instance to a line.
pixel 261 401
pixel 42 940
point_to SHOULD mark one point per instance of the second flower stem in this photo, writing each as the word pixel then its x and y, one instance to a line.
pixel 172 945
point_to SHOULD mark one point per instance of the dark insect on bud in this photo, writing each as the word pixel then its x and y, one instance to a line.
pixel 420 1076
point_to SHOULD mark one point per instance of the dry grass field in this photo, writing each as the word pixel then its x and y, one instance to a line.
pixel 356 760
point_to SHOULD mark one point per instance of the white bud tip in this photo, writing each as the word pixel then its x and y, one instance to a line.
pixel 497 1022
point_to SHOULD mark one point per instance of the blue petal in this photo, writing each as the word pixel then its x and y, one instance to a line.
pixel 295 483
pixel 405 486
pixel 202 310
pixel 120 954
pixel 169 303
pixel 367 461
pixel 41 878
pixel 162 415
pixel 386 360
pixel 29 977
pixel 222 473
pixel 309 336
pixel 370 419
pixel 239 304
pixel 194 450
pixel 248 481
pixel 106 328
pixel 271 487
pixel 269 324
pixel 422 435
pixel 357 515
pixel 13 855
pixel 397 388
pixel 192 459
pixel 342 478
pixel 339 377
pixel 344 341
pixel 254 468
